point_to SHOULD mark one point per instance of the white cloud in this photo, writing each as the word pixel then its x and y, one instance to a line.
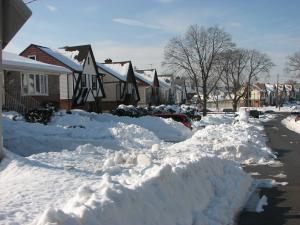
pixel 135 23
pixel 51 8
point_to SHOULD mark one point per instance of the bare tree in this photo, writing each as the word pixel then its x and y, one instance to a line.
pixel 241 68
pixel 293 64
pixel 234 78
pixel 259 64
pixel 196 54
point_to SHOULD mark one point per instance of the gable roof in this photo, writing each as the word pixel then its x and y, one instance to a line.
pixel 148 76
pixel 117 69
pixel 13 61
pixel 164 83
pixel 61 55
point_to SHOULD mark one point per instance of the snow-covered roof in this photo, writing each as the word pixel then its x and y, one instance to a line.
pixel 163 83
pixel 118 70
pixel 67 58
pixel 270 87
pixel 288 87
pixel 13 61
pixel 146 76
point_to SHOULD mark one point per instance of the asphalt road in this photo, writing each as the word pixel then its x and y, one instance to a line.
pixel 283 201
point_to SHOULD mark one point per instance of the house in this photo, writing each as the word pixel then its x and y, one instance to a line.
pixel 82 88
pixel 258 95
pixel 270 94
pixel 119 82
pixel 220 99
pixel 28 83
pixel 148 85
pixel 165 91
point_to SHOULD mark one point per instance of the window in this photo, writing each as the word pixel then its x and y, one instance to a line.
pixel 83 80
pixel 34 84
pixel 94 82
pixel 32 57
pixel 88 60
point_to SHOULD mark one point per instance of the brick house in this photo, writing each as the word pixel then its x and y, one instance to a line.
pixel 82 88
pixel 28 84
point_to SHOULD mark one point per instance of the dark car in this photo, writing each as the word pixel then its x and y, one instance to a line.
pixel 176 117
pixel 295 113
pixel 228 110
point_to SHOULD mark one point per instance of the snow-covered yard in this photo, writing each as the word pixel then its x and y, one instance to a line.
pixel 101 169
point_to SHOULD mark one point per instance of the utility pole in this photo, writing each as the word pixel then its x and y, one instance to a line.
pixel 277 91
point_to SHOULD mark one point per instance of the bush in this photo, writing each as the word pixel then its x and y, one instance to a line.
pixel 39 116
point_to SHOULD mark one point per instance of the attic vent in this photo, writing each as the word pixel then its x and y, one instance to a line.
pixel 108 61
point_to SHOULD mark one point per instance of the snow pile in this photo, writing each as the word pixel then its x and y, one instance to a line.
pixel 165 129
pixel 119 171
pixel 68 131
pixel 243 115
pixel 214 119
pixel 291 124
pixel 262 202
pixel 241 142
pixel 167 194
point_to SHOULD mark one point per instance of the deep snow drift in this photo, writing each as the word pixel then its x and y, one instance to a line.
pixel 123 173
pixel 291 124
pixel 68 131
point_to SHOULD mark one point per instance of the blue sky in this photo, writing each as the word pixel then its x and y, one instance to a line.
pixel 139 29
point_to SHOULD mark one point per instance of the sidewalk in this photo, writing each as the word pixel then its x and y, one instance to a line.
pixel 283 201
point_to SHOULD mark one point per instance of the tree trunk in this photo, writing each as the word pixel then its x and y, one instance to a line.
pixel 204 100
pixel 234 105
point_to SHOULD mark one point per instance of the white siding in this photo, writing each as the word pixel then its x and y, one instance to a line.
pixel 90 70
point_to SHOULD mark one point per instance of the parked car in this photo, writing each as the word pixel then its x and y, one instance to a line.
pixel 269 111
pixel 254 113
pixel 176 117
pixel 228 110
pixel 295 113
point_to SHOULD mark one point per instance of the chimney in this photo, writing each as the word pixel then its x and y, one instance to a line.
pixel 108 61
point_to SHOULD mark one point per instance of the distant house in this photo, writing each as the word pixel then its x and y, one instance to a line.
pixel 270 94
pixel 119 84
pixel 165 91
pixel 83 87
pixel 258 95
pixel 28 84
pixel 148 85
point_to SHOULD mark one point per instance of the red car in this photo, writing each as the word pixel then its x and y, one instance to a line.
pixel 177 117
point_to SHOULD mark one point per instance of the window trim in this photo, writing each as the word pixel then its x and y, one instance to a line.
pixel 43 82
pixel 85 80
pixel 94 82
pixel 32 56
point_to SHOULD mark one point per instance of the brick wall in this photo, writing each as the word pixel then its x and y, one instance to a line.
pixel 41 56
pixel 12 85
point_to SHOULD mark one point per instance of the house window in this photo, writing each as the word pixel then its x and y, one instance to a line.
pixel 34 84
pixel 83 80
pixel 94 82
pixel 32 57
pixel 88 60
